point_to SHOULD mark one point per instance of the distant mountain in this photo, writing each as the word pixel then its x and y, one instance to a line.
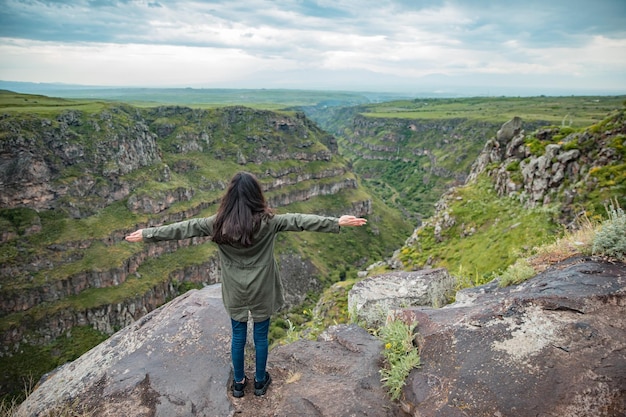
pixel 224 96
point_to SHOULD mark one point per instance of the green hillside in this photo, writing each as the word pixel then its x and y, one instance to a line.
pixel 410 152
pixel 482 228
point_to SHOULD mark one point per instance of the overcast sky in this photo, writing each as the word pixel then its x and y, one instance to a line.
pixel 373 45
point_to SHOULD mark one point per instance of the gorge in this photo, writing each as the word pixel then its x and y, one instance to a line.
pixel 75 182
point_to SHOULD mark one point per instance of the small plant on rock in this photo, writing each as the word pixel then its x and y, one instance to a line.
pixel 400 355
pixel 610 240
pixel 517 273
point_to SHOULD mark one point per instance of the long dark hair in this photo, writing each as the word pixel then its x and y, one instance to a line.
pixel 241 211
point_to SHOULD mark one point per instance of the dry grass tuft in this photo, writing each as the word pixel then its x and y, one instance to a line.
pixel 293 377
pixel 575 243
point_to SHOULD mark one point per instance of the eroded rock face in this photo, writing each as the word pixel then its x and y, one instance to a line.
pixel 565 167
pixel 78 156
pixel 552 346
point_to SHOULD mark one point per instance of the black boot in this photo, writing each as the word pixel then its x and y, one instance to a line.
pixel 261 387
pixel 238 387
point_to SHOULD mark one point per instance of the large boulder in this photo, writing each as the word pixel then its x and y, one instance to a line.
pixel 552 346
pixel 337 375
pixel 371 299
pixel 509 130
pixel 175 361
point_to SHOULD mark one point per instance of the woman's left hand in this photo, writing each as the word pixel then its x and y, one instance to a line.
pixel 351 221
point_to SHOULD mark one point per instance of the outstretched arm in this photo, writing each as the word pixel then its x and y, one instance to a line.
pixel 351 221
pixel 298 222
pixel 176 231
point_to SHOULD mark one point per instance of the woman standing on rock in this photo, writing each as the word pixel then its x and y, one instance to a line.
pixel 245 229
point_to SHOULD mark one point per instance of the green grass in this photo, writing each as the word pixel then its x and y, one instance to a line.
pixel 282 101
pixel 98 257
pixel 45 106
pixel 516 273
pixel 574 111
pixel 403 184
pixel 502 232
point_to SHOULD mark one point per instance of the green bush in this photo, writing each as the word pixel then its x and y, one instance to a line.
pixel 572 144
pixel 536 147
pixel 610 240
pixel 277 333
pixel 18 219
pixel 513 166
pixel 517 273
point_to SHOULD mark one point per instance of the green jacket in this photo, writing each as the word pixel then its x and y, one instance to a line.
pixel 250 280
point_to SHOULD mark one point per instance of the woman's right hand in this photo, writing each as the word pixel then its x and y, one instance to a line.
pixel 136 236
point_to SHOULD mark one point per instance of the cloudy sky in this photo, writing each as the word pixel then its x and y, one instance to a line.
pixel 374 45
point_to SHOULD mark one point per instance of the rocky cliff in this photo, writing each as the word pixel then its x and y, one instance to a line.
pixel 80 160
pixel 523 190
pixel 557 164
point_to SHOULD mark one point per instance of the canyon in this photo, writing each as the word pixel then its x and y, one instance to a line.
pixel 76 181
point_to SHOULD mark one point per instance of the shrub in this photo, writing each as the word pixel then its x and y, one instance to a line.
pixel 536 147
pixel 517 273
pixel 467 279
pixel 572 144
pixel 610 240
pixel 400 355
pixel 513 166
pixel 276 333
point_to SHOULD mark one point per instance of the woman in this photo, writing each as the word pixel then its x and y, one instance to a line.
pixel 245 229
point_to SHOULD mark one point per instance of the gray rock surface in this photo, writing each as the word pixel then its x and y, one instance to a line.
pixel 334 376
pixel 371 299
pixel 175 361
pixel 36 153
pixel 565 166
pixel 552 346
pixel 509 130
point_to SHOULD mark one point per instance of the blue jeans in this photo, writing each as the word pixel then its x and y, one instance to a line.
pixel 261 346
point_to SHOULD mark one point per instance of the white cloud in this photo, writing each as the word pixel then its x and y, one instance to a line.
pixel 129 64
pixel 235 42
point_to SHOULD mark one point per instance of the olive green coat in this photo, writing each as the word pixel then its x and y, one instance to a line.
pixel 250 280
